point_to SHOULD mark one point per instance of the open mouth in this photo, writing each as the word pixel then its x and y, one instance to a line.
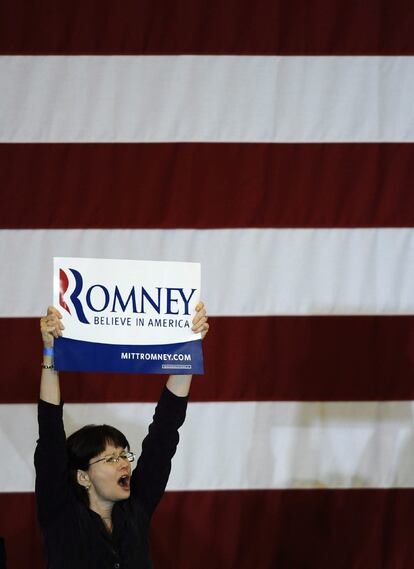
pixel 124 482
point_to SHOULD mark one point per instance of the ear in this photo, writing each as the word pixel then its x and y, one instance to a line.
pixel 83 478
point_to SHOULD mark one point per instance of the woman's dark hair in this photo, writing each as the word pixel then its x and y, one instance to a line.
pixel 84 445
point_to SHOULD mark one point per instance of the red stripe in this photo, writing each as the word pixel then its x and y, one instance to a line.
pixel 232 185
pixel 323 529
pixel 247 359
pixel 19 528
pixel 188 27
pixel 270 529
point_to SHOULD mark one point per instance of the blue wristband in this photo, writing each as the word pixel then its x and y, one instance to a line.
pixel 48 352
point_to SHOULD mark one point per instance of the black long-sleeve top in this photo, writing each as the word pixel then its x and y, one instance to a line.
pixel 75 537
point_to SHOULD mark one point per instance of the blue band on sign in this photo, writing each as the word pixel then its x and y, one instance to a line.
pixel 48 352
pixel 178 359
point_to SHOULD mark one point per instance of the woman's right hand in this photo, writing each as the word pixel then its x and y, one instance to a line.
pixel 51 326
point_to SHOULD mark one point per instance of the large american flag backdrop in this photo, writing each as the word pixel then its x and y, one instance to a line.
pixel 273 142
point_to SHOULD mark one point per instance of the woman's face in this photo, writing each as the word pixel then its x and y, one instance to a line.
pixel 110 481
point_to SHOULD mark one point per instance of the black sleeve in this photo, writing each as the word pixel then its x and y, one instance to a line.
pixel 150 477
pixel 50 462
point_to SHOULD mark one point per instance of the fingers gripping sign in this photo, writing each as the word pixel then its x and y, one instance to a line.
pixel 51 326
pixel 200 324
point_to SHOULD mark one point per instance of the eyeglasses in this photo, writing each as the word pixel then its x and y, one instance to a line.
pixel 114 459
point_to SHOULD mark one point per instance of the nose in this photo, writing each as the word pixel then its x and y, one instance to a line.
pixel 124 465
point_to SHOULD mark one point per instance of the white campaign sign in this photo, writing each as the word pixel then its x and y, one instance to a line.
pixel 122 315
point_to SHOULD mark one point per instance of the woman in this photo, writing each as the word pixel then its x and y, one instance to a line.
pixel 94 511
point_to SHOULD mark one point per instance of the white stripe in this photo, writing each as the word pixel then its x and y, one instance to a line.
pixel 247 445
pixel 244 271
pixel 206 98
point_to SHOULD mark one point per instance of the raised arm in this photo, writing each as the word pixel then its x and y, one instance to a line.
pixel 50 327
pixel 180 384
pixel 50 454
pixel 150 477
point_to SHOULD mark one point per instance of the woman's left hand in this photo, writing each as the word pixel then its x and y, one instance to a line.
pixel 200 324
